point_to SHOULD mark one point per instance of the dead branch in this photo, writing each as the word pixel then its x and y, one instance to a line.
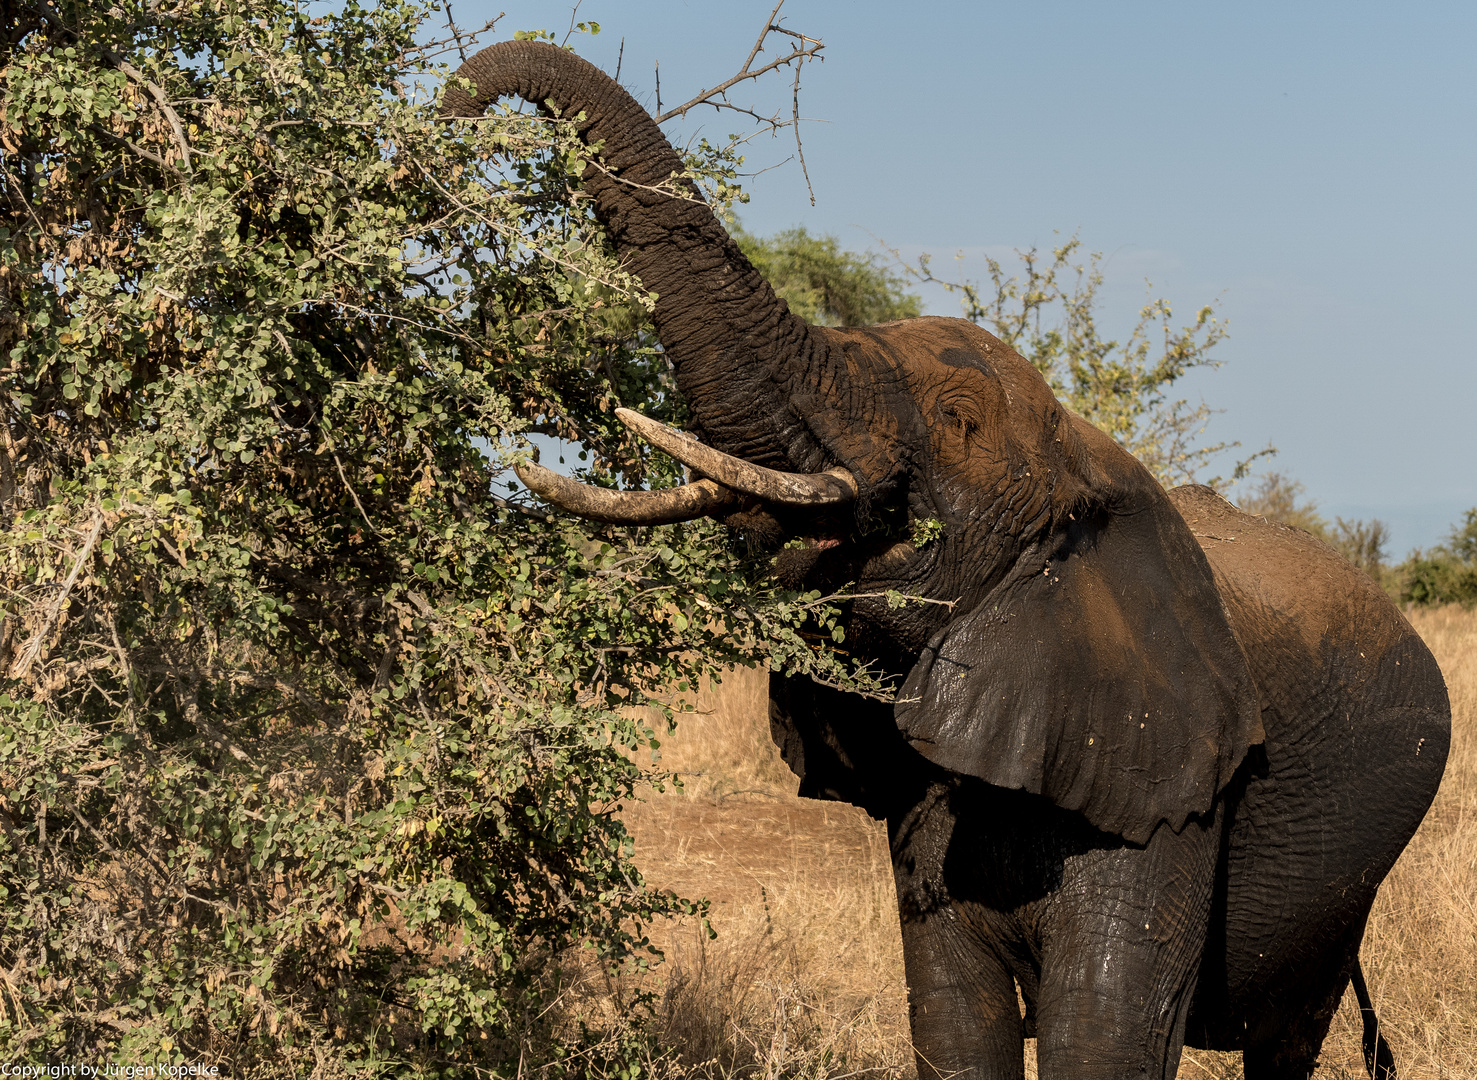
pixel 573 13
pixel 800 150
pixel 353 495
pixel 33 647
pixel 157 93
pixel 147 155
pixel 456 33
pixel 808 48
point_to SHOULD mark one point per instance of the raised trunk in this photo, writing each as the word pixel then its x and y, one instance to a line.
pixel 739 352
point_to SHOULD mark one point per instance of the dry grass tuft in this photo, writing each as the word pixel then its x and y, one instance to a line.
pixel 765 999
pixel 805 977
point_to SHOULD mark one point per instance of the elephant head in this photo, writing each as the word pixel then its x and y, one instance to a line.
pixel 1079 649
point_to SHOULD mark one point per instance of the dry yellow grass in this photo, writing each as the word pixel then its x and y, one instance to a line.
pixel 805 977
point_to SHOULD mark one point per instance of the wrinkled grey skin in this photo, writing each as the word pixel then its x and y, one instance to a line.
pixel 1151 757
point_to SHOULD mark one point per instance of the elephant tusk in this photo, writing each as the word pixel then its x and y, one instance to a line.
pixel 626 507
pixel 795 489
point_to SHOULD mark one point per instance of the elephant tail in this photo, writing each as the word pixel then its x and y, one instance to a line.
pixel 1377 1057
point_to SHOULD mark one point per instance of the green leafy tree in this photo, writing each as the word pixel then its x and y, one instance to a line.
pixel 825 284
pixel 310 747
pixel 1446 573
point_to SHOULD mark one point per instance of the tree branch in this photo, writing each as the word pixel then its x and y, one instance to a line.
pixel 808 49
pixel 139 150
pixel 155 90
pixel 33 647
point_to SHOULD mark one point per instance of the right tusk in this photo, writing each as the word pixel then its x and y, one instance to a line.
pixel 795 489
pixel 664 507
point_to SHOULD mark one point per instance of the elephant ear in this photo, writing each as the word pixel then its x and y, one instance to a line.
pixel 841 746
pixel 1101 674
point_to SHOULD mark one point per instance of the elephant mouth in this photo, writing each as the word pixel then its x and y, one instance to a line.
pixel 767 506
pixel 836 564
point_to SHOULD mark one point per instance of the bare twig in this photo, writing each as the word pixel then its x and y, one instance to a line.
pixel 520 508
pixel 907 597
pixel 807 49
pixel 123 662
pixel 353 495
pixel 20 193
pixel 456 34
pixel 574 11
pixel 139 150
pixel 157 93
pixel 431 49
pixel 318 123
pixel 673 192
pixel 798 148
pixel 764 33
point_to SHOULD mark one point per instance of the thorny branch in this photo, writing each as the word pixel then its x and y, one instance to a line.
pixel 457 39
pixel 795 123
pixel 808 49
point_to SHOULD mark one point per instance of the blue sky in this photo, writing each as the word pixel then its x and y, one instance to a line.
pixel 1309 168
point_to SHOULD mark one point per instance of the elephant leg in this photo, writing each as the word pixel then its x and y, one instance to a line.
pixel 962 1006
pixel 1122 942
pixel 1285 1044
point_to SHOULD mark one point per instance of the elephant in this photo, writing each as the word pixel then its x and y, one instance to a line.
pixel 1150 757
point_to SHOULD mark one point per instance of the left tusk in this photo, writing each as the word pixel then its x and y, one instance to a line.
pixel 664 507
pixel 827 488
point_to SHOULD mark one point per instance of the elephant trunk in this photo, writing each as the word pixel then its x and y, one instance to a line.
pixel 737 349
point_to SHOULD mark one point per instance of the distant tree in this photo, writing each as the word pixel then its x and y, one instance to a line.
pixel 825 284
pixel 1362 543
pixel 1280 498
pixel 1462 541
pixel 1446 573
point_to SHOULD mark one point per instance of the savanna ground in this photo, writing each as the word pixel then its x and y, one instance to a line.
pixel 805 977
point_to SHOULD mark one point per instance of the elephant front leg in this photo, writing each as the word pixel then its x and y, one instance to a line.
pixel 1121 945
pixel 962 1004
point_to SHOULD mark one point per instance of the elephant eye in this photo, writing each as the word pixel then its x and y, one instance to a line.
pixel 959 417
